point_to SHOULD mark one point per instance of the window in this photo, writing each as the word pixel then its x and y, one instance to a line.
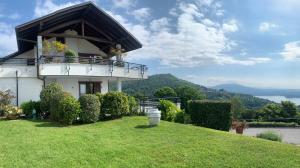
pixel 89 87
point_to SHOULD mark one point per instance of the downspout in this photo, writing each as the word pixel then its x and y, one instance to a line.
pixel 17 88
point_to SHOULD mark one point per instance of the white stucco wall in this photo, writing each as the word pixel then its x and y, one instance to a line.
pixel 71 84
pixel 29 88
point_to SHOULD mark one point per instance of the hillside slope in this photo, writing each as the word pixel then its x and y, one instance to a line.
pixel 154 82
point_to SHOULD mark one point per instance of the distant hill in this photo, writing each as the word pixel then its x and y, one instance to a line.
pixel 150 85
pixel 236 88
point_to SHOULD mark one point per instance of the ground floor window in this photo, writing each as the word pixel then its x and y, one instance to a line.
pixel 89 87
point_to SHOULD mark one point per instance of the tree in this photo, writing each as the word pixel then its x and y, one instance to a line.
pixel 237 108
pixel 289 109
pixel 186 93
pixel 165 92
pixel 271 111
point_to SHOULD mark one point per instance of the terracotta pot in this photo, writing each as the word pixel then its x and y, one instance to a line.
pixel 239 129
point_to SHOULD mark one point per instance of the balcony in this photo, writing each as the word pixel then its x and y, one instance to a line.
pixel 89 66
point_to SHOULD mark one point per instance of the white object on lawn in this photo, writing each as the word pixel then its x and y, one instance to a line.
pixel 154 116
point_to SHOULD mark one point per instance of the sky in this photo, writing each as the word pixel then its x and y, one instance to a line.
pixel 209 42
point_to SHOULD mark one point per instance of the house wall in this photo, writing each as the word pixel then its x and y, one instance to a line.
pixel 28 88
pixel 71 85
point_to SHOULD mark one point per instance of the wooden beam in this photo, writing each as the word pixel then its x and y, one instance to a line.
pixel 99 31
pixel 60 26
pixel 78 36
pixel 82 27
pixel 29 41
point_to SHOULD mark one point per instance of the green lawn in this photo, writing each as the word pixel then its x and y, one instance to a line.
pixel 128 142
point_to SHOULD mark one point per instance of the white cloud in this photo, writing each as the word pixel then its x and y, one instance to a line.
pixel 266 26
pixel 10 16
pixel 159 24
pixel 141 14
pixel 8 42
pixel 291 50
pixel 124 3
pixel 230 26
pixel 45 7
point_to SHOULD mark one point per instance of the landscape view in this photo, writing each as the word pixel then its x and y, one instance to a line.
pixel 149 83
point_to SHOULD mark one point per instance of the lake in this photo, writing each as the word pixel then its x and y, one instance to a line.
pixel 278 99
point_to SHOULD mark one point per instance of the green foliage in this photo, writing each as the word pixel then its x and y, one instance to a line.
pixel 179 117
pixel 289 109
pixel 168 110
pixel 133 106
pixel 70 56
pixel 90 108
pixel 6 97
pixel 249 114
pixel 100 97
pixel 186 93
pixel 270 111
pixel 115 104
pixel 69 109
pixel 211 114
pixel 50 97
pixel 270 135
pixel 27 108
pixel 165 92
pixel 272 124
pixel 237 108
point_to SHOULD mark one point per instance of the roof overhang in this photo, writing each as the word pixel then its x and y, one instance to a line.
pixel 96 23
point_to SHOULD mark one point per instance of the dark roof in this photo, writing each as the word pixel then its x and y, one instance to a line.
pixel 97 24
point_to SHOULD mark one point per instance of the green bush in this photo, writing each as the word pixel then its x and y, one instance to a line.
pixel 270 135
pixel 133 106
pixel 272 124
pixel 27 108
pixel 50 97
pixel 115 104
pixel 69 109
pixel 179 118
pixel 90 108
pixel 100 97
pixel 70 56
pixel 211 114
pixel 168 110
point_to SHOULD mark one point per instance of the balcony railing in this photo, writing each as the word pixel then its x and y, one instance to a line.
pixel 93 60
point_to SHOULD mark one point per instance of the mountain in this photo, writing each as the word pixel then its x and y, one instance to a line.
pixel 149 86
pixel 236 88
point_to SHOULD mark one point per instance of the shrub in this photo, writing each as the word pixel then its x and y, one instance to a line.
pixel 272 124
pixel 133 106
pixel 70 56
pixel 50 97
pixel 69 109
pixel 27 107
pixel 168 110
pixel 6 97
pixel 179 118
pixel 90 108
pixel 100 97
pixel 11 112
pixel 211 114
pixel 115 104
pixel 270 135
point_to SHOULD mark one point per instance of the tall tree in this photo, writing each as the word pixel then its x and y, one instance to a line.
pixel 237 108
pixel 271 111
pixel 186 93
pixel 165 92
pixel 289 109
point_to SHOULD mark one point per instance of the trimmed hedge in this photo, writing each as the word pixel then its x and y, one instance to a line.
pixel 90 108
pixel 115 105
pixel 50 97
pixel 168 110
pixel 211 114
pixel 271 124
pixel 69 109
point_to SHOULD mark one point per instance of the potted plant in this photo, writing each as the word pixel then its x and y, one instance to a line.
pixel 239 126
pixel 119 53
pixel 70 56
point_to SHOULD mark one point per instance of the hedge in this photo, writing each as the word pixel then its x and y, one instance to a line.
pixel 211 114
pixel 90 108
pixel 272 124
pixel 69 109
pixel 115 105
pixel 27 108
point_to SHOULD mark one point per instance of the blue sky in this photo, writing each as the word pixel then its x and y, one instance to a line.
pixel 209 42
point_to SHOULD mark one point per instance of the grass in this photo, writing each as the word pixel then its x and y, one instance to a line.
pixel 129 142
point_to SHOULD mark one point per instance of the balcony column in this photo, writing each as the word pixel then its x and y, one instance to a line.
pixel 39 46
pixel 119 85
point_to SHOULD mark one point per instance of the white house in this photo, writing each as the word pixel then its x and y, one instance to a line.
pixel 90 33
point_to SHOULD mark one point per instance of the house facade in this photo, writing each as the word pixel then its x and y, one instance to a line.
pixel 79 47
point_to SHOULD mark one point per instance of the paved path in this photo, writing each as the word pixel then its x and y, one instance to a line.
pixel 289 135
